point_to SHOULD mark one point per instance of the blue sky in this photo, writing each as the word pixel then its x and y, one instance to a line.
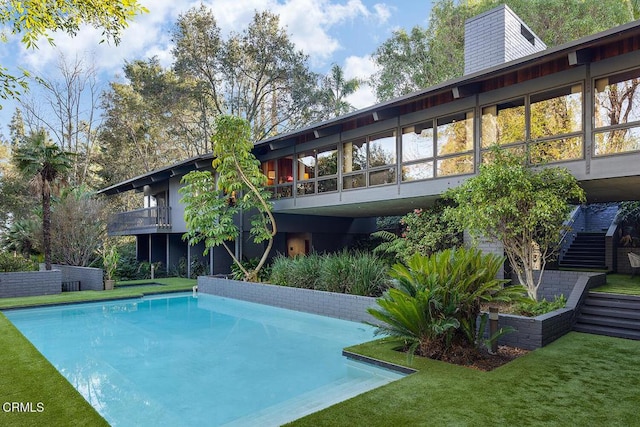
pixel 345 32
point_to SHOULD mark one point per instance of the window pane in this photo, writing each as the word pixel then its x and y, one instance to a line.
pixel 617 100
pixel 556 150
pixel 284 191
pixel 617 141
pixel 417 142
pixel 455 165
pixel 269 169
pixel 455 133
pixel 285 170
pixel 326 185
pixel 557 112
pixel 518 150
pixel 306 188
pixel 386 176
pixel 306 165
pixel 382 150
pixel 503 123
pixel 327 161
pixel 353 181
pixel 417 171
pixel 354 156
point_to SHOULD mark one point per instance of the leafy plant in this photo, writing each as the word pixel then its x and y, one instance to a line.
pixel 11 263
pixel 441 292
pixel 239 274
pixel 536 308
pixel 110 258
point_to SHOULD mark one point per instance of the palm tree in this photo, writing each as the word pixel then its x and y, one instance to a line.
pixel 43 162
pixel 335 89
pixel 20 237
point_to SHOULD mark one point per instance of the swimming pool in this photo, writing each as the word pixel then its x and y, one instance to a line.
pixel 182 360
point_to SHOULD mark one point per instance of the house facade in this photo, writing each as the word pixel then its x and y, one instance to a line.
pixel 575 105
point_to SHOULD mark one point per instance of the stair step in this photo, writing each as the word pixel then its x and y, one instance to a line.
pixel 588 266
pixel 611 322
pixel 608 331
pixel 597 310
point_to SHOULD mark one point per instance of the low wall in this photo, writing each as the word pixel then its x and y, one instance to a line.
pixel 342 306
pixel 536 332
pixel 624 267
pixel 30 283
pixel 91 279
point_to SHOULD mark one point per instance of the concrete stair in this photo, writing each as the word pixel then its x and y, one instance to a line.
pixel 586 252
pixel 610 314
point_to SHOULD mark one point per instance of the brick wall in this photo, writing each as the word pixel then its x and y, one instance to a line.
pixel 89 278
pixel 624 267
pixel 342 306
pixel 30 283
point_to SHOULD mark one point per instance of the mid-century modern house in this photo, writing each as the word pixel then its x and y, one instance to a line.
pixel 575 105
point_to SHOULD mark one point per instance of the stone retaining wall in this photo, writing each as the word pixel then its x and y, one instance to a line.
pixel 342 306
pixel 30 283
pixel 89 278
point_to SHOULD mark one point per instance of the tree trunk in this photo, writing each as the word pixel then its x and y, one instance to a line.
pixel 46 224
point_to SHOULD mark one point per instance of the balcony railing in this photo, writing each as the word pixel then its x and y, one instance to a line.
pixel 147 219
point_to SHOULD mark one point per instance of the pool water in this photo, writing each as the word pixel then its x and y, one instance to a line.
pixel 184 360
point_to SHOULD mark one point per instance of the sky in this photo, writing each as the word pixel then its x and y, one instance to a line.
pixel 344 32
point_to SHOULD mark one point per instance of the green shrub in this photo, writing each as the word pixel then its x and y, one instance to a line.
pixel 336 272
pixel 532 308
pixel 369 276
pixel 249 265
pixel 436 300
pixel 10 263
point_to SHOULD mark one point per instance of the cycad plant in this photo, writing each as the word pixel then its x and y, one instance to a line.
pixel 436 299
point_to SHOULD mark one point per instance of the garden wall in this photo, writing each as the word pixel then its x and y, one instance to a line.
pixel 342 306
pixel 624 267
pixel 89 278
pixel 30 283
pixel 536 332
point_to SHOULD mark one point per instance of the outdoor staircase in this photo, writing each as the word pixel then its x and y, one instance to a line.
pixel 610 314
pixel 586 252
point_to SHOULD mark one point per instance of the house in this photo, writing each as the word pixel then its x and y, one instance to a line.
pixel 575 105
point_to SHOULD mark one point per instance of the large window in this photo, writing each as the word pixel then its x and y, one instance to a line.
pixel 547 124
pixel 369 161
pixel 279 175
pixel 317 171
pixel 617 113
pixel 438 147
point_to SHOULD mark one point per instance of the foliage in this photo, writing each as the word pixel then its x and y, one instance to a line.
pixel 422 57
pixel 211 204
pixel 44 163
pixel 435 301
pixel 12 263
pixel 197 268
pixel 425 231
pixel 110 258
pixel 34 19
pixel 357 273
pixel 78 226
pixel 334 89
pixel 532 308
pixel 21 237
pixel 250 264
pixel 256 74
pixel 522 207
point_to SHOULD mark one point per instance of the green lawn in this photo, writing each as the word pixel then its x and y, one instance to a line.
pixel 580 380
pixel 620 284
pixel 122 290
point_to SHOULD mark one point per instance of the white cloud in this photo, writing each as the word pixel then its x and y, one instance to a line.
pixel 362 68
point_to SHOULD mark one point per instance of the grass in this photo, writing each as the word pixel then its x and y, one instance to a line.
pixel 122 290
pixel 580 379
pixel 620 284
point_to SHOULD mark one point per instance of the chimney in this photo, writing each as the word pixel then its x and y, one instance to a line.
pixel 495 37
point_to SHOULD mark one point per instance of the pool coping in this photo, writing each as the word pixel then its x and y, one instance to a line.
pixel 377 362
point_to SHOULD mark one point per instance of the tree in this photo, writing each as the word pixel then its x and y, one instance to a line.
pixel 212 202
pixel 78 226
pixel 256 74
pixel 522 207
pixel 334 89
pixel 43 162
pixel 33 19
pixel 416 59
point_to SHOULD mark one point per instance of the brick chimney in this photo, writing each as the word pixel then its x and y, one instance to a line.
pixel 495 37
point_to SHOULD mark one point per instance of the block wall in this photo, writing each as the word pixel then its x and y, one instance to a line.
pixel 30 283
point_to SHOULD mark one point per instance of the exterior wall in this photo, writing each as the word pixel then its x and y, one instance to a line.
pixel 487 246
pixel 91 279
pixel 30 283
pixel 624 267
pixel 178 224
pixel 342 306
pixel 495 37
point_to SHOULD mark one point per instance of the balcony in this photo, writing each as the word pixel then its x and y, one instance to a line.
pixel 140 221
